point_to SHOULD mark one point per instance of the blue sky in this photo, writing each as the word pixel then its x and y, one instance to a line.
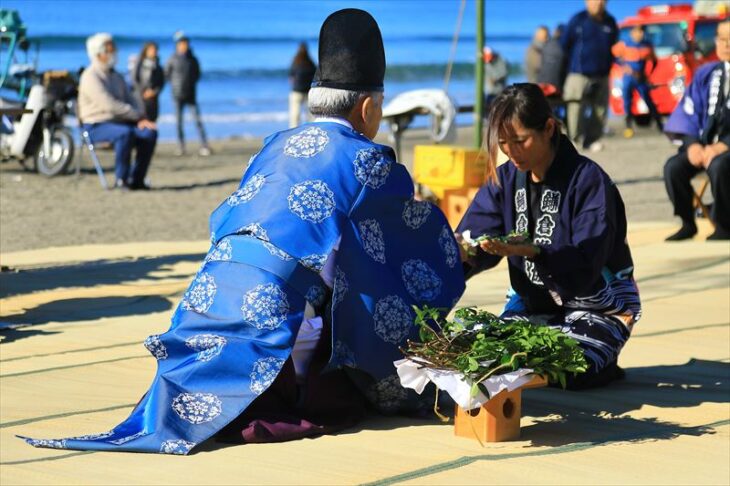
pixel 518 17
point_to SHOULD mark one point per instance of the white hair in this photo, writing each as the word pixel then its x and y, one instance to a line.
pixel 336 102
pixel 95 44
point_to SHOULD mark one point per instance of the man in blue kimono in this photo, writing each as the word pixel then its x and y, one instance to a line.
pixel 702 120
pixel 307 291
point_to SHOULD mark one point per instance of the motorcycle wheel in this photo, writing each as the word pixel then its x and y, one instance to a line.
pixel 61 154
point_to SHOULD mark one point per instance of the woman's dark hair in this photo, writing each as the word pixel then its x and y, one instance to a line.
pixel 146 46
pixel 141 58
pixel 301 58
pixel 527 103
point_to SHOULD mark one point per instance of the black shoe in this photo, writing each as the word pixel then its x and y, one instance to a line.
pixel 686 232
pixel 720 234
pixel 139 186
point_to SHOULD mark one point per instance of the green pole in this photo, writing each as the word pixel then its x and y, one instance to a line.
pixel 479 75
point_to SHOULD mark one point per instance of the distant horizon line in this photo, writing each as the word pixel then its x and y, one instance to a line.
pixel 75 38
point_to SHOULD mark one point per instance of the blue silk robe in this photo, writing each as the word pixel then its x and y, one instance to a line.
pixel 307 189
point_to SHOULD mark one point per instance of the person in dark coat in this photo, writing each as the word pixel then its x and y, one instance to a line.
pixel 553 68
pixel 587 42
pixel 533 56
pixel 574 270
pixel 301 74
pixel 183 72
pixel 702 120
pixel 148 80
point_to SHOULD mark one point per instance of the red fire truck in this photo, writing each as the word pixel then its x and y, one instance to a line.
pixel 683 40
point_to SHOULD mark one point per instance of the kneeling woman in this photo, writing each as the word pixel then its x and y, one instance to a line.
pixel 575 271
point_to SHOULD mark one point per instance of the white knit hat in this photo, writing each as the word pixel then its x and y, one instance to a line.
pixel 95 44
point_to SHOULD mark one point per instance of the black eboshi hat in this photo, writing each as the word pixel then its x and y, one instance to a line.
pixel 351 53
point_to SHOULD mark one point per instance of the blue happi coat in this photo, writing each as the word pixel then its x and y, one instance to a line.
pixel 585 262
pixel 693 116
pixel 307 189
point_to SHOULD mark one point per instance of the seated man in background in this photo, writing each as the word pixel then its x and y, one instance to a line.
pixel 702 119
pixel 107 109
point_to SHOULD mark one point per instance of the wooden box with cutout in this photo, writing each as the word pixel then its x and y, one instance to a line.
pixel 497 420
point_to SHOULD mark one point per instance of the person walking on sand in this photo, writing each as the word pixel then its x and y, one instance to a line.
pixel 301 74
pixel 633 56
pixel 183 73
pixel 587 43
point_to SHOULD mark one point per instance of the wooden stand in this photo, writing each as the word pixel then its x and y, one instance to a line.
pixel 455 203
pixel 497 420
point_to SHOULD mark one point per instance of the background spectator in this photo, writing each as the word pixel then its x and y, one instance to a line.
pixel 495 75
pixel 148 79
pixel 633 56
pixel 183 72
pixel 587 44
pixel 702 119
pixel 552 67
pixel 533 57
pixel 301 74
pixel 106 107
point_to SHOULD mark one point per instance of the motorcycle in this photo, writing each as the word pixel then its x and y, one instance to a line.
pixel 38 139
pixel 32 129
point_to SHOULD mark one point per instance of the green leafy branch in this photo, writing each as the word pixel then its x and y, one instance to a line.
pixel 512 238
pixel 479 345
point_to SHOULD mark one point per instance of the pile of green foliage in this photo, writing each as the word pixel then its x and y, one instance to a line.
pixel 479 344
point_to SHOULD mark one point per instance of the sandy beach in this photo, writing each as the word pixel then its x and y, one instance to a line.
pixel 39 212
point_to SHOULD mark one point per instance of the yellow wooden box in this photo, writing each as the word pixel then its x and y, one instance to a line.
pixel 442 167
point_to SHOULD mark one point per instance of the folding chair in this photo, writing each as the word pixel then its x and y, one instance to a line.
pixel 89 144
pixel 699 206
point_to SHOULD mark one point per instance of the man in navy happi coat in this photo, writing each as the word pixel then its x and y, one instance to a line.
pixel 702 119
pixel 322 251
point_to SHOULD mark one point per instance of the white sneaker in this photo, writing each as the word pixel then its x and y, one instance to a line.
pixel 204 151
pixel 596 147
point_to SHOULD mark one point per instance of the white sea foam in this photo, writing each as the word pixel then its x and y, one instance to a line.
pixel 243 117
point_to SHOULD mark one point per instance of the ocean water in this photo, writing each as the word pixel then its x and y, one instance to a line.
pixel 245 47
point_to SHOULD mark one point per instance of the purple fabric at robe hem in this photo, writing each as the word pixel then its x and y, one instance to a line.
pixel 329 403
